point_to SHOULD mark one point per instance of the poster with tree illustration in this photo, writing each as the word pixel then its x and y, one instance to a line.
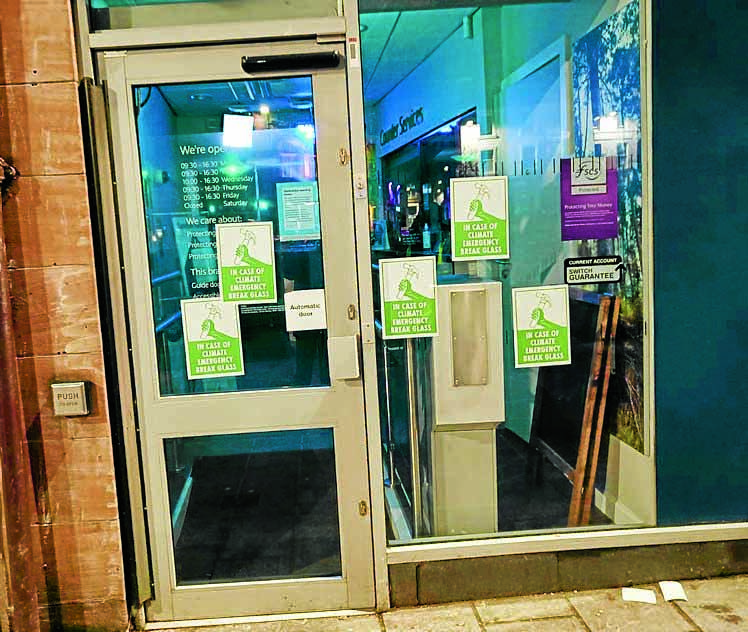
pixel 246 262
pixel 212 338
pixel 480 222
pixel 607 122
pixel 407 288
pixel 541 326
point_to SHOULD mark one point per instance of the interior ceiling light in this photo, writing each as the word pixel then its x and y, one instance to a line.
pixel 264 109
pixel 237 130
pixel 300 103
pixel 239 109
pixel 201 96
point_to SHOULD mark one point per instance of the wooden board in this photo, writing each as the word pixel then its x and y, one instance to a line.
pixel 570 400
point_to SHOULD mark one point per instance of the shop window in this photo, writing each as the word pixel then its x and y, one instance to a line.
pixel 505 182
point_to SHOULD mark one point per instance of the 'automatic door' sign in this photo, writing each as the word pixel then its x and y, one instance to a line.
pixel 583 270
pixel 408 294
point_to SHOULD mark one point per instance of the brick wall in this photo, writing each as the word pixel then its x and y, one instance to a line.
pixel 55 321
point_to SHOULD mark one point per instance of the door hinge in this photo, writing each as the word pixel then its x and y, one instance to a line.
pixel 363 508
pixel 352 312
pixel 343 156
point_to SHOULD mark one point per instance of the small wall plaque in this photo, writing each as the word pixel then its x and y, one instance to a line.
pixel 70 399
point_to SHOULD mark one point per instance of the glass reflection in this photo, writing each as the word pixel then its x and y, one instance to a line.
pixel 253 506
pixel 224 153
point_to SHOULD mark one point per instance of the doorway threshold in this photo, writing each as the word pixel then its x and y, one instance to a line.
pixel 204 623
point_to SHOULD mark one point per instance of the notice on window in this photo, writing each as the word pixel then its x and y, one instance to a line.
pixel 305 310
pixel 214 185
pixel 298 210
pixel 196 247
pixel 408 294
pixel 589 199
pixel 585 270
pixel 211 338
pixel 480 220
pixel 541 326
pixel 246 262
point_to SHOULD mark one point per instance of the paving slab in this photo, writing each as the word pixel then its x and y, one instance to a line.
pixel 518 608
pixel 453 618
pixel 367 623
pixel 557 624
pixel 266 626
pixel 717 605
pixel 362 623
pixel 606 610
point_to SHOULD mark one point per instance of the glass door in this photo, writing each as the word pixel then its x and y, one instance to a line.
pixel 236 229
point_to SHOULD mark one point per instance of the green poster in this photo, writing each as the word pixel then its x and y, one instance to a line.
pixel 246 262
pixel 408 293
pixel 541 326
pixel 211 338
pixel 480 221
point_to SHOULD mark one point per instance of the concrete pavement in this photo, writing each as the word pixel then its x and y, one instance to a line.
pixel 714 605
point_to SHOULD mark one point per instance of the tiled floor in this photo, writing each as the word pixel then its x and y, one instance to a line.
pixel 714 605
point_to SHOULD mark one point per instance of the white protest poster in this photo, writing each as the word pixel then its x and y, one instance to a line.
pixel 541 326
pixel 480 218
pixel 408 295
pixel 212 339
pixel 246 262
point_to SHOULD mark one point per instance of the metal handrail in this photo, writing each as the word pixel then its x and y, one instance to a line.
pixel 166 277
pixel 168 321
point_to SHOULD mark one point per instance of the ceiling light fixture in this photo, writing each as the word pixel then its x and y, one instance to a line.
pixel 237 130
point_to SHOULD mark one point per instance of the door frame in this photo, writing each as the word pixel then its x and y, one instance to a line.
pixel 121 112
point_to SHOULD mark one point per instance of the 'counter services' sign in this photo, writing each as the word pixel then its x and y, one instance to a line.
pixel 408 293
pixel 541 326
pixel 404 124
pixel 480 223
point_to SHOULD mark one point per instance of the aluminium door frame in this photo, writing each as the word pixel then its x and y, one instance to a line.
pixel 381 581
pixel 344 28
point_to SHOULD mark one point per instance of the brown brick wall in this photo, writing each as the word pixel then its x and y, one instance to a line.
pixel 55 320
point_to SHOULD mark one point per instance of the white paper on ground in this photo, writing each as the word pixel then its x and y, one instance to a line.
pixel 642 595
pixel 673 591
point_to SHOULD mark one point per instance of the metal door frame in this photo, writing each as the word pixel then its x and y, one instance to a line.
pixel 124 159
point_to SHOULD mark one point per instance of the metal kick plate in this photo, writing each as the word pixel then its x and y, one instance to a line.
pixel 469 338
pixel 343 354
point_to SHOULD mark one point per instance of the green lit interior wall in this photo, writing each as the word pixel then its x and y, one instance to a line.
pixel 700 232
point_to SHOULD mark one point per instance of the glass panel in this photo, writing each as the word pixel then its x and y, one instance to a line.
pixel 218 154
pixel 125 14
pixel 499 96
pixel 702 469
pixel 253 506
